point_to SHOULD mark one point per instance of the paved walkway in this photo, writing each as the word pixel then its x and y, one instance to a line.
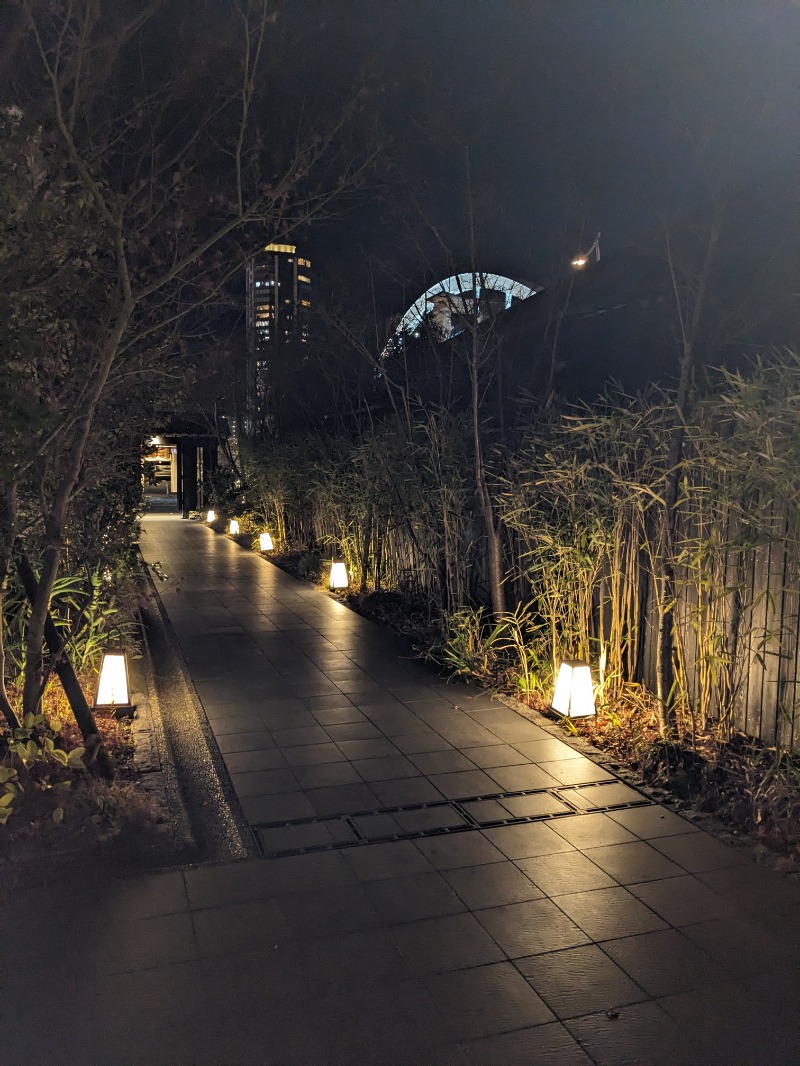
pixel 443 882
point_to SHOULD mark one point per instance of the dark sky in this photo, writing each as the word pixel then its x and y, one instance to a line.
pixel 580 115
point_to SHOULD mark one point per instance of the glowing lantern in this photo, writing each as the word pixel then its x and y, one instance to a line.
pixel 211 516
pixel 233 527
pixel 574 696
pixel 265 542
pixel 338 579
pixel 113 689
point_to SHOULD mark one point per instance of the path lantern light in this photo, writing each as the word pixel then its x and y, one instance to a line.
pixel 113 687
pixel 265 542
pixel 233 527
pixel 338 578
pixel 211 516
pixel 574 696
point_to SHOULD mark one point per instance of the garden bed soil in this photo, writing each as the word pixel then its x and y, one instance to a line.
pixel 412 619
pixel 734 787
pixel 746 786
pixel 63 815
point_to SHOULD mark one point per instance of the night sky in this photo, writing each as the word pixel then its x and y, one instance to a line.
pixel 580 115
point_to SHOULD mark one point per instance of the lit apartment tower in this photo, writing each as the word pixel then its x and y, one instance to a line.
pixel 278 305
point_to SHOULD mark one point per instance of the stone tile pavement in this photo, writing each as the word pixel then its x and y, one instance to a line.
pixel 443 882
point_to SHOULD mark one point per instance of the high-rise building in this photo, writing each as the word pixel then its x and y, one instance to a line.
pixel 278 297
pixel 278 308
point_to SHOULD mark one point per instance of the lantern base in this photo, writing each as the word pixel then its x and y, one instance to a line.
pixel 126 713
pixel 559 715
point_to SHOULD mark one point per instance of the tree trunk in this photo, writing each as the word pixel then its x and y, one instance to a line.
pixel 367 537
pixel 34 682
pixel 689 325
pixel 378 558
pixel 553 343
pixel 6 709
pixel 55 518
pixel 96 753
pixel 665 646
pixel 8 534
pixel 490 520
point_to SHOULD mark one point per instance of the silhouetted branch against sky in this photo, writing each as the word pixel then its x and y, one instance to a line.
pixel 604 113
pixel 142 147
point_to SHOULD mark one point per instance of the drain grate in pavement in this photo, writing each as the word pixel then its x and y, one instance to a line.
pixel 413 821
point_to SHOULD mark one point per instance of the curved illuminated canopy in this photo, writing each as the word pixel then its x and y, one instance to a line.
pixel 455 289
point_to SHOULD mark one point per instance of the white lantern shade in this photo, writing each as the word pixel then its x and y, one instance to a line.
pixel 113 689
pixel 574 696
pixel 211 516
pixel 339 579
pixel 233 527
pixel 265 542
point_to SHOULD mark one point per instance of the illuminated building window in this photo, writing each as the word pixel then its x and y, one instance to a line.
pixel 302 277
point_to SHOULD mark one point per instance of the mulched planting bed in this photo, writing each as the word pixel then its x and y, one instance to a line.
pixel 60 812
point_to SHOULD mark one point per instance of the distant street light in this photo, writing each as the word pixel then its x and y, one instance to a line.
pixel 583 259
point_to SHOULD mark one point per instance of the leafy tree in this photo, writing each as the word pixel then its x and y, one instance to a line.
pixel 143 158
